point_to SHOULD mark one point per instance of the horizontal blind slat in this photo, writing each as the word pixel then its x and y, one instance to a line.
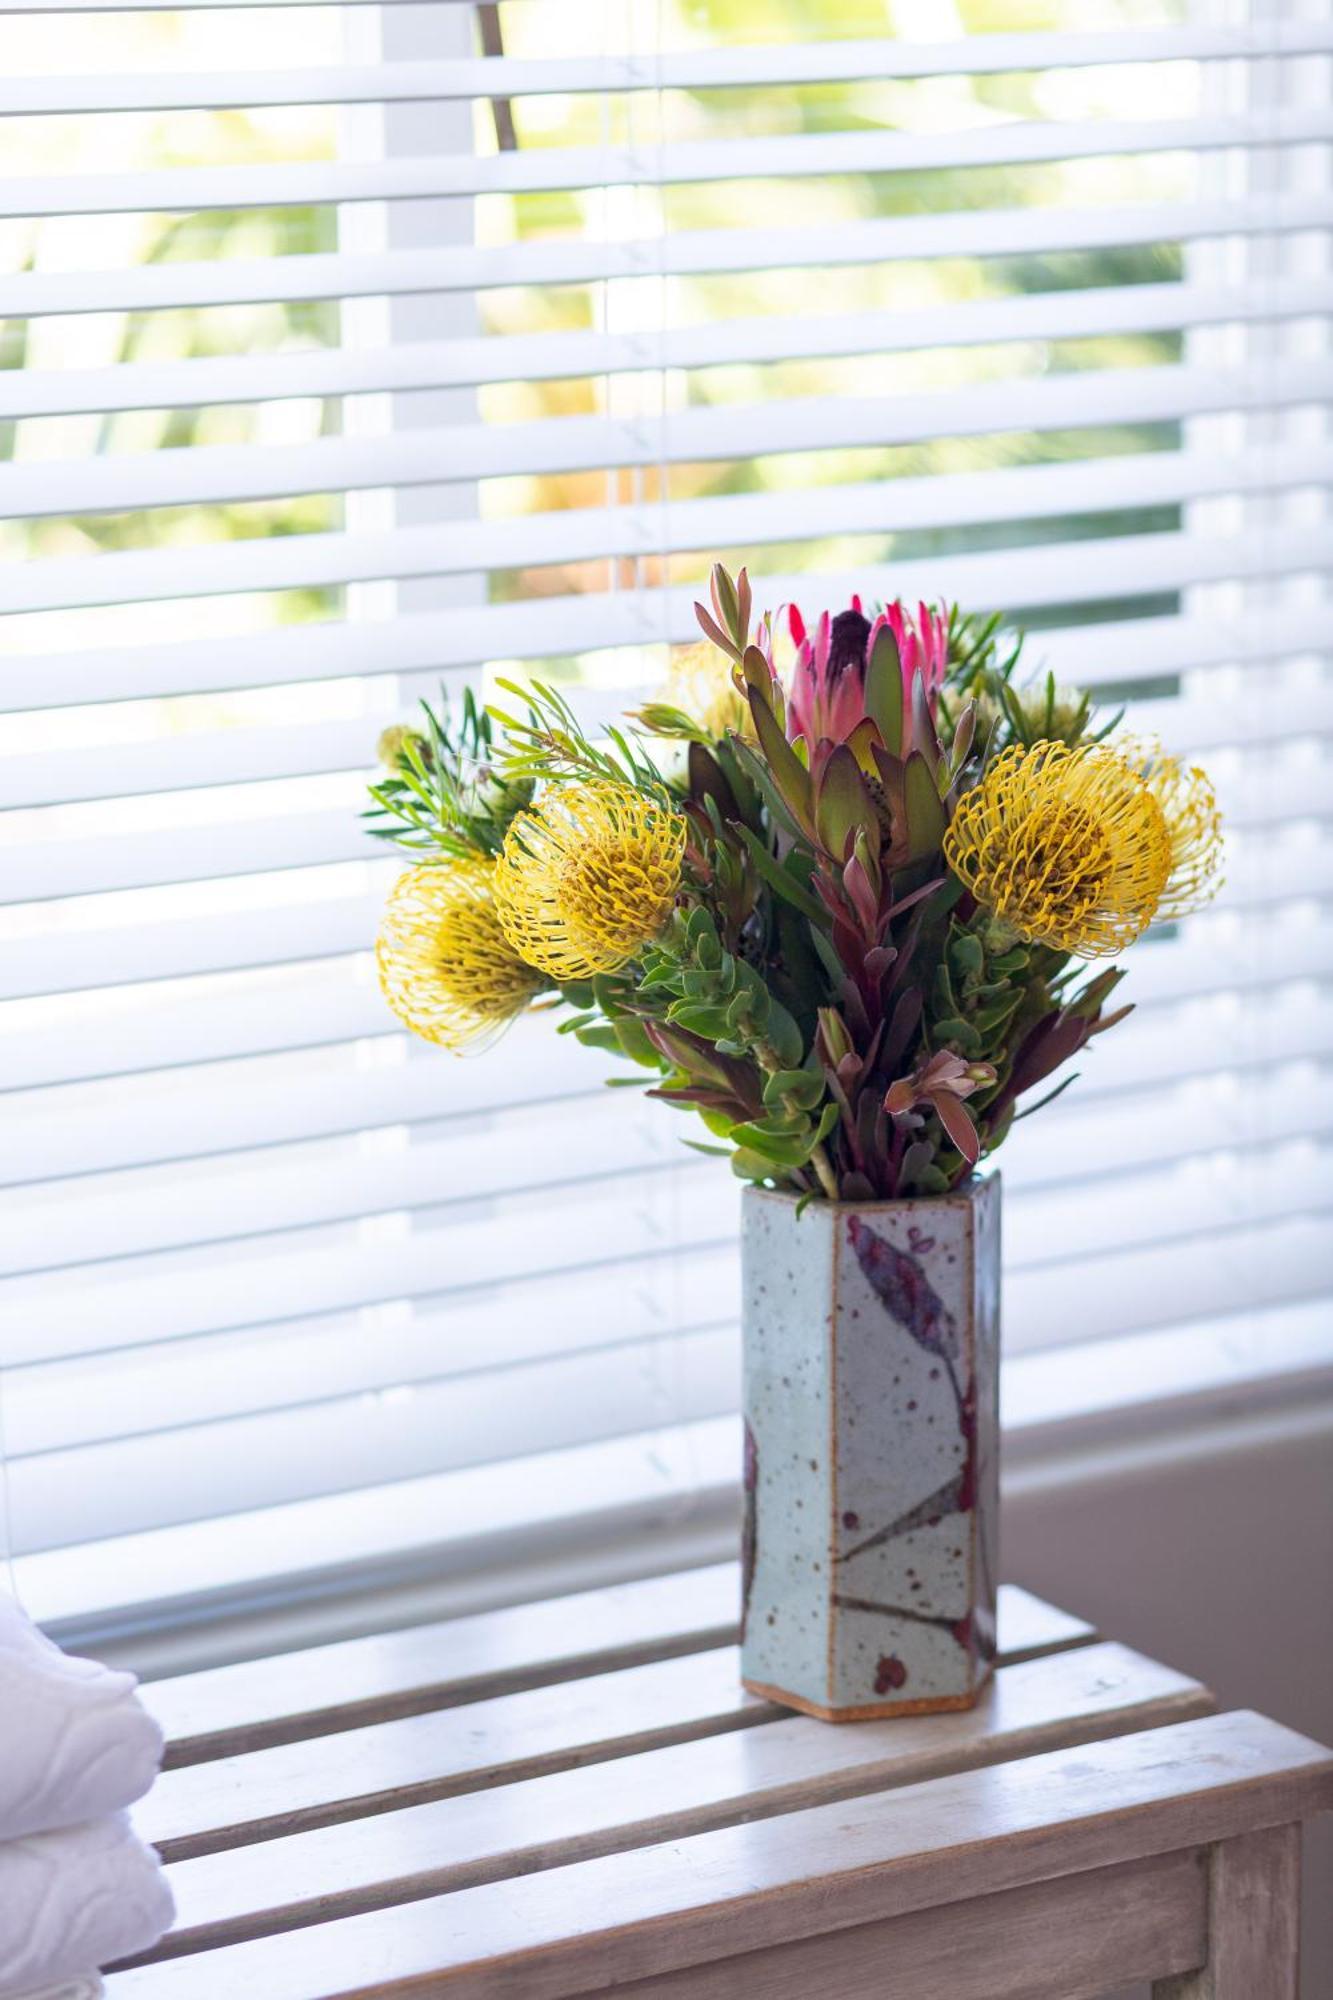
pixel 468 636
pixel 94 1225
pixel 1020 493
pixel 57 1135
pixel 612 1220
pixel 693 69
pixel 426 364
pixel 1084 399
pixel 205 761
pixel 598 1224
pixel 256 1014
pixel 109 955
pixel 335 1448
pixel 554 168
pixel 59 1406
pixel 897 239
pixel 279 1455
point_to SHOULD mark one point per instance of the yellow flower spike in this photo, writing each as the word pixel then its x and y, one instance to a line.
pixel 700 685
pixel 588 877
pixel 1189 806
pixel 446 967
pixel 1069 847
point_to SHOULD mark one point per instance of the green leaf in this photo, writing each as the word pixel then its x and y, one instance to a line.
pixel 634 1043
pixel 844 807
pixel 800 1087
pixel 828 1118
pixel 600 1035
pixel 785 767
pixel 884 690
pixel 960 1032
pixel 781 881
pixel 785 1037
pixel 748 1166
pixel 966 954
pixel 926 818
pixel 988 1019
pixel 709 1022
pixel 784 1150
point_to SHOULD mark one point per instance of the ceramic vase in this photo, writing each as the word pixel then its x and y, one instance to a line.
pixel 871 1349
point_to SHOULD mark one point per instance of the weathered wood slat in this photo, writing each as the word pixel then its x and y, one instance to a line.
pixel 225 1711
pixel 652 1911
pixel 289 1787
pixel 1134 1922
pixel 207 1807
pixel 1061 1699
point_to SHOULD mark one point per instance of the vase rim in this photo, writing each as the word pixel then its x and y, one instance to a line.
pixel 965 1193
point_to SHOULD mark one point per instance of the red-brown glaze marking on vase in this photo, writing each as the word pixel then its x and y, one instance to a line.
pixel 899 1281
pixel 903 1286
pixel 890 1673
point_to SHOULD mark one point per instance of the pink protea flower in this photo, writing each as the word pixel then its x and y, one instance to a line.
pixel 826 686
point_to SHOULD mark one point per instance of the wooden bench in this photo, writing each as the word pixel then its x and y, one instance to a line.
pixel 576 1798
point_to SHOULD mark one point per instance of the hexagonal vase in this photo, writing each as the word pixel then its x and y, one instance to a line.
pixel 871 1342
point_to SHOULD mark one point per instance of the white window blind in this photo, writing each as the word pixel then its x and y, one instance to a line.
pixel 351 350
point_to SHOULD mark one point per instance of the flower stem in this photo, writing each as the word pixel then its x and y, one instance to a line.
pixel 819 1160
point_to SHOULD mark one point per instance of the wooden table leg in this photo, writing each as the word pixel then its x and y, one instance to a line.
pixel 1253 1922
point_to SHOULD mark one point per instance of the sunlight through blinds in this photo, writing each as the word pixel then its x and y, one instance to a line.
pixel 342 359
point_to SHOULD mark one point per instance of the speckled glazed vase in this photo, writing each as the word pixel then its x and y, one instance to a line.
pixel 871 1337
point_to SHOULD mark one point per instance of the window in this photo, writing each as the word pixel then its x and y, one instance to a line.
pixel 352 350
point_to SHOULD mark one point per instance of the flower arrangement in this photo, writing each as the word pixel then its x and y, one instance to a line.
pixel 834 903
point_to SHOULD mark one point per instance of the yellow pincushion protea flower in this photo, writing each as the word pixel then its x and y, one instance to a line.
pixel 446 968
pixel 1189 806
pixel 1068 846
pixel 588 877
pixel 699 683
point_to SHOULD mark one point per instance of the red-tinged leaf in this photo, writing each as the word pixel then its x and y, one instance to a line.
pixel 849 1072
pixel 848 942
pixel 745 602
pixel 854 1009
pixel 963 736
pixel 758 674
pixel 866 850
pixel 785 768
pixel 884 689
pixel 916 896
pixel 902 1025
pixel 844 808
pixel 924 743
pixel 723 593
pixel 860 895
pixel 712 630
pixel 926 819
pixel 952 1115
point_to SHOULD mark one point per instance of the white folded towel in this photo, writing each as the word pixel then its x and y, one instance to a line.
pixel 75 1741
pixel 75 1900
pixel 68 1989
